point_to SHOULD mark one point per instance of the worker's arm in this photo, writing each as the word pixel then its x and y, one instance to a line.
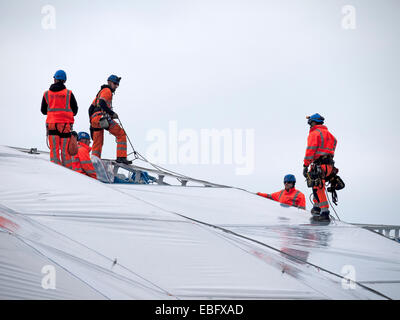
pixel 265 195
pixel 105 108
pixel 312 146
pixel 301 201
pixel 86 163
pixel 73 104
pixel 44 106
pixel 104 96
pixel 273 196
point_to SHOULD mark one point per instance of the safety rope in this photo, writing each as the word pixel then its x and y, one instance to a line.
pixel 47 137
pixel 327 196
pixel 134 151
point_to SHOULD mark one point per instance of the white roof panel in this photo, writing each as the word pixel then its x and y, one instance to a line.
pixel 163 242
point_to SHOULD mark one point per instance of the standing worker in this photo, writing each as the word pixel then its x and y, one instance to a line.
pixel 289 195
pixel 82 162
pixel 321 145
pixel 60 106
pixel 102 117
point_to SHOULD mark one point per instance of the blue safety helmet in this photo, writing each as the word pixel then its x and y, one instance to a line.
pixel 60 75
pixel 83 135
pixel 289 178
pixel 114 78
pixel 317 118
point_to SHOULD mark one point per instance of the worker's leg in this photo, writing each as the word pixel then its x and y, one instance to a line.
pixel 54 144
pixel 320 198
pixel 98 136
pixel 66 158
pixel 119 133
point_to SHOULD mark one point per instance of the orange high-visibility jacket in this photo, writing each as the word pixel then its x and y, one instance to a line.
pixel 320 142
pixel 59 109
pixel 293 197
pixel 106 95
pixel 82 162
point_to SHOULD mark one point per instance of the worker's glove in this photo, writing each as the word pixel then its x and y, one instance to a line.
pixel 305 171
pixel 114 116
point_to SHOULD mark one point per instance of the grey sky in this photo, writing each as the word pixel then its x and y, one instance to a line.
pixel 260 65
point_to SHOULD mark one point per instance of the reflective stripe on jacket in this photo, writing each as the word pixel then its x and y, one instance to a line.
pixel 320 143
pixel 59 109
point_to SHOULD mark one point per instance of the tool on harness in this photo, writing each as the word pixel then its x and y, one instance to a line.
pixel 336 183
pixel 316 175
pixel 104 124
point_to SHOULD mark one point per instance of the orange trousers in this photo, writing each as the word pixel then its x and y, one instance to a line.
pixel 59 146
pixel 320 199
pixel 98 137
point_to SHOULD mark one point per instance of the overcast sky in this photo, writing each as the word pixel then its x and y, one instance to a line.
pixel 258 65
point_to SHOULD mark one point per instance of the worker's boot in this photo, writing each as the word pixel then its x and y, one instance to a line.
pixel 315 211
pixel 323 216
pixel 123 160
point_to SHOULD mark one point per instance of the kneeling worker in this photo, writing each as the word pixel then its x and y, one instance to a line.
pixel 82 162
pixel 289 195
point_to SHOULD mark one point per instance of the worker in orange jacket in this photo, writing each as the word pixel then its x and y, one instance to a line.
pixel 60 106
pixel 82 162
pixel 102 117
pixel 321 145
pixel 289 195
